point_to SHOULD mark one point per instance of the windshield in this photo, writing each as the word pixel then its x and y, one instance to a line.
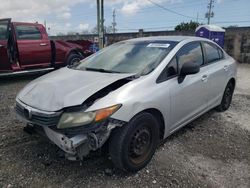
pixel 128 57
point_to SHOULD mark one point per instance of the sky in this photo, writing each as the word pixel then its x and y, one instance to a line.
pixel 64 16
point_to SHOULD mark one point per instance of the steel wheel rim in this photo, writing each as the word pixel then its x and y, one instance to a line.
pixel 140 145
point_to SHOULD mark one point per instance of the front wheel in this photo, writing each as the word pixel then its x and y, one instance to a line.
pixel 227 98
pixel 132 146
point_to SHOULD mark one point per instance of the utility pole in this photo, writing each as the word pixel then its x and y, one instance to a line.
pixel 100 22
pixel 45 25
pixel 98 16
pixel 209 14
pixel 114 22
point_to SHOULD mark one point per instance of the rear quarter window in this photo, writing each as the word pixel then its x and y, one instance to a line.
pixel 28 32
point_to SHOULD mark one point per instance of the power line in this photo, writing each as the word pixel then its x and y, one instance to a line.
pixel 174 12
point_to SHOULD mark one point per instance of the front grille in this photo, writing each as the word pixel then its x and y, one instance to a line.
pixel 38 119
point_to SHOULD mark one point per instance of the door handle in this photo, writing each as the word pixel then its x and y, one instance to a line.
pixel 225 67
pixel 43 44
pixel 204 78
pixel 1 46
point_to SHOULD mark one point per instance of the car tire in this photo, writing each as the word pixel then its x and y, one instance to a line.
pixel 133 145
pixel 73 59
pixel 227 98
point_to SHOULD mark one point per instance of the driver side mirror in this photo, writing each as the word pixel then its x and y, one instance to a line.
pixel 187 69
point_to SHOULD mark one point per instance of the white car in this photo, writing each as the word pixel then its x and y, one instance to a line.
pixel 129 96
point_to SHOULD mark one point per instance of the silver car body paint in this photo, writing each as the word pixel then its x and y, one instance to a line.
pixel 65 87
pixel 178 103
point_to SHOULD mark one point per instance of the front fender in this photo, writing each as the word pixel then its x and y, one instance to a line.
pixel 134 99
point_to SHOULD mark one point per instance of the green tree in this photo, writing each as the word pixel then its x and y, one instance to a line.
pixel 107 29
pixel 189 26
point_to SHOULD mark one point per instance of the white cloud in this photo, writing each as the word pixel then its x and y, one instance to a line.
pixel 64 15
pixel 83 26
pixel 131 7
pixel 61 11
pixel 27 10
pixel 39 10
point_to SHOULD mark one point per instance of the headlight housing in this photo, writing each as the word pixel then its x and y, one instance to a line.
pixel 75 119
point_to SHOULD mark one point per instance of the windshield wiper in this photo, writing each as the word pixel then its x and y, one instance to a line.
pixel 100 70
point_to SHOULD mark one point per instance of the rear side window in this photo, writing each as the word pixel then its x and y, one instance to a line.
pixel 28 32
pixel 191 52
pixel 213 53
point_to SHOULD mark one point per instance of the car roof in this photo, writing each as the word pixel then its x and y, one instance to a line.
pixel 166 38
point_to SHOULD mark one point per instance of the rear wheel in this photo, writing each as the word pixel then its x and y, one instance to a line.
pixel 74 59
pixel 133 145
pixel 227 98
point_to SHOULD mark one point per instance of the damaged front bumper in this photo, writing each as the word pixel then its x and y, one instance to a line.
pixel 69 145
pixel 75 142
pixel 79 145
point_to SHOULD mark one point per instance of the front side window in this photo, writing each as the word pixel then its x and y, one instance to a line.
pixel 191 52
pixel 213 53
pixel 170 71
pixel 172 68
pixel 128 57
pixel 24 32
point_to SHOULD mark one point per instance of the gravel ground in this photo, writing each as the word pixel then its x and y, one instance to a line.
pixel 212 151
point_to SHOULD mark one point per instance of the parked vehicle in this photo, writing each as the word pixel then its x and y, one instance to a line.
pixel 26 47
pixel 130 96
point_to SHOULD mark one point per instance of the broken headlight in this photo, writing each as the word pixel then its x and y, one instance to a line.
pixel 75 119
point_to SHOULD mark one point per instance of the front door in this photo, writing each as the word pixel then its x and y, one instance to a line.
pixel 33 46
pixel 4 35
pixel 188 98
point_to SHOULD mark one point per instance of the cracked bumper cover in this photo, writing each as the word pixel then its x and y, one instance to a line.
pixel 76 141
pixel 77 145
pixel 68 145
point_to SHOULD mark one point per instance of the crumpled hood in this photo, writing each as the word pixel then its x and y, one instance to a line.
pixel 64 88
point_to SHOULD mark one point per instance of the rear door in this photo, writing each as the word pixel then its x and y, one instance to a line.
pixel 217 67
pixel 4 35
pixel 33 45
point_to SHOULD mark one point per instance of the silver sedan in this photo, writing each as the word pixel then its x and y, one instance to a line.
pixel 129 96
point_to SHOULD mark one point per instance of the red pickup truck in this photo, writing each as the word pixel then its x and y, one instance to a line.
pixel 26 47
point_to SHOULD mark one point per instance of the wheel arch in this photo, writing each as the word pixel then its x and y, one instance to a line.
pixel 75 51
pixel 159 117
pixel 233 80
